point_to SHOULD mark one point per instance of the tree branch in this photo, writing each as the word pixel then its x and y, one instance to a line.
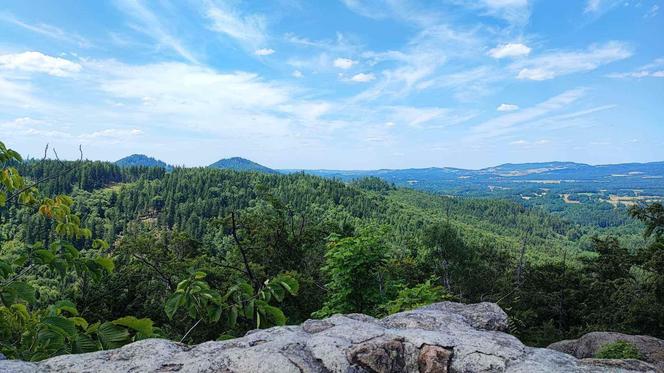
pixel 252 278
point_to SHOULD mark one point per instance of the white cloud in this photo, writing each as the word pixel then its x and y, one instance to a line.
pixel 297 74
pixel 507 123
pixel 515 12
pixel 47 30
pixel 112 134
pixel 654 69
pixel 507 107
pixel 13 94
pixel 551 65
pixel 598 7
pixel 509 50
pixel 530 144
pixel 592 6
pixel 264 52
pixel 154 28
pixel 344 63
pixel 38 62
pixel 363 78
pixel 248 29
pixel 416 66
pixel 421 117
pixel 652 12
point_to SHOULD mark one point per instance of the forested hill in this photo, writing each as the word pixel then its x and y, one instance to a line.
pixel 241 164
pixel 187 199
pixel 364 246
pixel 142 160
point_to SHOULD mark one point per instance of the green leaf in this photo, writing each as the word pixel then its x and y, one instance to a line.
pixel 44 256
pixel 172 305
pixel 106 262
pixel 249 310
pixel 61 325
pixel 79 321
pixel 232 317
pixel 16 292
pixel 143 326
pixel 199 275
pixel 64 305
pixel 83 343
pixel 112 336
pixel 274 314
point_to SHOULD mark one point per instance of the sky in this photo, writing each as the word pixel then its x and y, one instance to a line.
pixel 336 84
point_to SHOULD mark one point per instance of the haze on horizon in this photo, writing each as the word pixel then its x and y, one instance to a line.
pixel 346 84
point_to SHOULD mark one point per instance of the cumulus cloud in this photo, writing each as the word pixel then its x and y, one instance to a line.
pixel 362 77
pixel 507 107
pixel 263 52
pixel 551 65
pixel 344 63
pixel 297 74
pixel 509 50
pixel 38 62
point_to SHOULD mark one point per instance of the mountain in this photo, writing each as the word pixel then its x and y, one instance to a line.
pixel 518 177
pixel 142 160
pixel 241 164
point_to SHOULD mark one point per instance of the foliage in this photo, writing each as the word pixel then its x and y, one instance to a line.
pixel 208 253
pixel 419 295
pixel 354 267
pixel 618 350
pixel 34 333
pixel 194 296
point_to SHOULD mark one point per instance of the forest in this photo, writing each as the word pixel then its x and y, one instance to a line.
pixel 94 256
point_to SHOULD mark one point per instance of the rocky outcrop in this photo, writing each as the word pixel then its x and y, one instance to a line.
pixel 650 348
pixel 443 337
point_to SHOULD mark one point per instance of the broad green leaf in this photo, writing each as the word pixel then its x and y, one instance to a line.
pixel 106 262
pixel 112 335
pixel 61 324
pixel 172 305
pixel 143 326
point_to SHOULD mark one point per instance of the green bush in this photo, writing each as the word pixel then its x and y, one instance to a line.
pixel 418 296
pixel 618 350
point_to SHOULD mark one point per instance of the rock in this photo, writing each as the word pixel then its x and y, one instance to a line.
pixel 442 337
pixel 650 348
pixel 434 359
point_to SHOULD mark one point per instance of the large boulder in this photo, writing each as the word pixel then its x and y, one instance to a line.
pixel 443 337
pixel 650 348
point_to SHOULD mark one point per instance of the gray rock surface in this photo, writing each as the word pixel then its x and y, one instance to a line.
pixel 443 337
pixel 651 348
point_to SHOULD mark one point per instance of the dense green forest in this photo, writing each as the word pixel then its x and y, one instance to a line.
pixel 94 255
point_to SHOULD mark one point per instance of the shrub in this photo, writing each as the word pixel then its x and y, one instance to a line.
pixel 618 350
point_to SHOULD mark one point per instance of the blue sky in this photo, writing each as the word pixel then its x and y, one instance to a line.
pixel 347 84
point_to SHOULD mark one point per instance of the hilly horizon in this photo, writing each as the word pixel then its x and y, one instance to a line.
pixel 241 163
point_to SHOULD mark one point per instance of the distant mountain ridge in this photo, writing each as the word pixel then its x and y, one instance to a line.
pixel 508 176
pixel 241 164
pixel 142 160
